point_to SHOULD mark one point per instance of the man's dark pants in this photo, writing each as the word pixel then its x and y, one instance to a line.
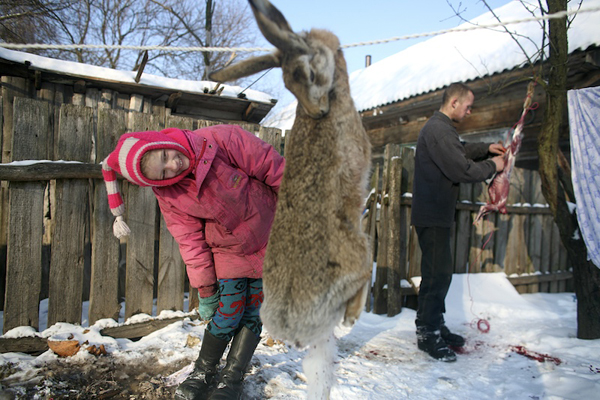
pixel 436 275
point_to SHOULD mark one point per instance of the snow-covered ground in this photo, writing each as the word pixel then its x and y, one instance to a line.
pixel 377 358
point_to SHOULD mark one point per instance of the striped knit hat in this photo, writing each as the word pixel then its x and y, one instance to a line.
pixel 126 160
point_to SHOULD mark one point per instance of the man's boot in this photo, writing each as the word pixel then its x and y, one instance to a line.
pixel 432 343
pixel 202 379
pixel 451 339
pixel 242 348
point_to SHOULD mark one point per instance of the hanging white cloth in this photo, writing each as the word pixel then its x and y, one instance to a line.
pixel 584 123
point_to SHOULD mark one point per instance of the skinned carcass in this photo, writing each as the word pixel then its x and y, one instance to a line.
pixel 498 188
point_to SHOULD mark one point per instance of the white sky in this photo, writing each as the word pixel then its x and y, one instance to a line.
pixel 355 21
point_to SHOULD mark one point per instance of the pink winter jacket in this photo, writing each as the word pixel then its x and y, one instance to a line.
pixel 221 215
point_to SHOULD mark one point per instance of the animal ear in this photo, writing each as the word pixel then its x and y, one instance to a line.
pixel 275 27
pixel 245 68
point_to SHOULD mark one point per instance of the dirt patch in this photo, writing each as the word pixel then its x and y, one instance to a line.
pixel 95 378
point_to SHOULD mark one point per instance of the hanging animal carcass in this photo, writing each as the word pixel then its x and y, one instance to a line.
pixel 316 269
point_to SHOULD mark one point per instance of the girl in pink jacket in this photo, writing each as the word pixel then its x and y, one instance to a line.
pixel 217 189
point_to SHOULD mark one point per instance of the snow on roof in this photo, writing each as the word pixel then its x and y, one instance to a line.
pixel 463 56
pixel 101 73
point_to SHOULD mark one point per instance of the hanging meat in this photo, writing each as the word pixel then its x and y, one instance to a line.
pixel 498 188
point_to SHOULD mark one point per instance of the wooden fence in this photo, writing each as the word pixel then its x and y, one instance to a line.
pixel 524 243
pixel 57 232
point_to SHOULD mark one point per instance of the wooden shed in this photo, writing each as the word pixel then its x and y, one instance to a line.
pixel 395 96
pixel 498 104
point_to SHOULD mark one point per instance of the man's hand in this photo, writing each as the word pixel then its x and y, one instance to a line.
pixel 497 148
pixel 207 306
pixel 499 161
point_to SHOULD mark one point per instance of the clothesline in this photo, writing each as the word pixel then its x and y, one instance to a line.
pixel 561 14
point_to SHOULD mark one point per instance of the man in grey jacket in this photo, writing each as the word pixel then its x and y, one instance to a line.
pixel 442 161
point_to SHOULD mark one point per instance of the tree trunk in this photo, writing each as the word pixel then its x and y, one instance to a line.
pixel 586 275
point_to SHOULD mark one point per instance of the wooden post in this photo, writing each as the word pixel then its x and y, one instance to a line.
pixel 71 220
pixel 25 218
pixel 395 245
pixel 381 272
pixel 408 255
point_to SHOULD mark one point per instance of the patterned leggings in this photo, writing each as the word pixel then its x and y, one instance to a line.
pixel 239 306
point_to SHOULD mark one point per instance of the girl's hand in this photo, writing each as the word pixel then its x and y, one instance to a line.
pixel 207 306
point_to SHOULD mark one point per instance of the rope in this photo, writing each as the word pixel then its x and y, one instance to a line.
pixel 558 15
pixel 482 324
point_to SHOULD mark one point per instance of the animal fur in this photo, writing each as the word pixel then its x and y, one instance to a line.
pixel 317 266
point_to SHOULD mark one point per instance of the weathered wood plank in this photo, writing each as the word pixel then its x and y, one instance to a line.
pixel 45 171
pixel 25 218
pixel 408 167
pixel 104 283
pixel 29 345
pixel 171 269
pixel 141 329
pixel 71 219
pixel 481 255
pixel 171 273
pixel 12 88
pixel 141 208
pixel 461 235
pixel 174 121
pixel 540 278
pixel 515 245
pixel 38 345
pixel 24 255
pixel 381 272
pixel 372 225
pixel 396 246
pixel 271 136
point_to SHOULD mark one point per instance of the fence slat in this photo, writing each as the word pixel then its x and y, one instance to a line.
pixel 71 221
pixel 25 217
pixel 396 246
pixel 171 269
pixel 371 228
pixel 271 136
pixel 141 208
pixel 171 273
pixel 104 284
pixel 381 273
pixel 461 235
pixel 12 88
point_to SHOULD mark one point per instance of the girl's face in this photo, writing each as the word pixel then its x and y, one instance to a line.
pixel 165 164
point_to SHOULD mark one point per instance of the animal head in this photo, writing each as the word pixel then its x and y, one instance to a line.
pixel 307 59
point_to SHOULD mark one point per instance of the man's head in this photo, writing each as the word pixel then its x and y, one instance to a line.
pixel 457 101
